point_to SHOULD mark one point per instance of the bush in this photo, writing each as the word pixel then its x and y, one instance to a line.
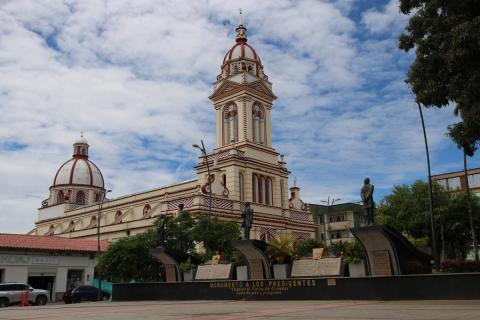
pixel 304 248
pixel 352 252
pixel 458 266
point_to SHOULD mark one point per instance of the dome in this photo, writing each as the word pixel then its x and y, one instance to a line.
pixel 81 140
pixel 241 59
pixel 241 50
pixel 79 171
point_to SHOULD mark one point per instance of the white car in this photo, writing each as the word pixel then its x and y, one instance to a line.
pixel 11 293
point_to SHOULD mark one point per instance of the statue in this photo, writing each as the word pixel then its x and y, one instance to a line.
pixel 367 198
pixel 247 215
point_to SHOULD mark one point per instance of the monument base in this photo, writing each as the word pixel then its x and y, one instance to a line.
pixel 426 287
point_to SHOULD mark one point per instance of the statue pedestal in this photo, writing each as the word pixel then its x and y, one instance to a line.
pixel 390 253
pixel 253 252
pixel 172 272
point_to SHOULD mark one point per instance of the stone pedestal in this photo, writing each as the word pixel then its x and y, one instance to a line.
pixel 253 252
pixel 390 253
pixel 172 272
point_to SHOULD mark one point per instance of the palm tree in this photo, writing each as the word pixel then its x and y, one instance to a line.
pixel 459 133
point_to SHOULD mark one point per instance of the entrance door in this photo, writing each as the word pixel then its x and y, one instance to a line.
pixel 42 282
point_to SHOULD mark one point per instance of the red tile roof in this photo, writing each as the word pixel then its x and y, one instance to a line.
pixel 49 243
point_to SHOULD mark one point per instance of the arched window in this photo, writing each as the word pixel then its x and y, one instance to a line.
pixel 261 188
pixel 258 123
pixel 268 191
pixel 97 196
pixel 240 182
pixel 80 199
pixel 254 187
pixel 230 124
pixel 60 197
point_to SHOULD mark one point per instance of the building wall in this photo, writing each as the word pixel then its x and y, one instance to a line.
pixel 18 266
pixel 453 181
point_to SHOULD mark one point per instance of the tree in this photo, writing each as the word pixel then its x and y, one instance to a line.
pixel 446 37
pixel 459 134
pixel 129 259
pixel 406 209
pixel 216 235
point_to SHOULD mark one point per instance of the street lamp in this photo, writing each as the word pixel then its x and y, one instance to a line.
pixel 100 206
pixel 326 218
pixel 430 197
pixel 202 149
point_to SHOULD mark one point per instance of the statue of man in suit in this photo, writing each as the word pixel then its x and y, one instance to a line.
pixel 247 215
pixel 367 198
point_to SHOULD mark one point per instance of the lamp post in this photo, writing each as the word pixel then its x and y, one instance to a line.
pixel 202 149
pixel 100 206
pixel 326 218
pixel 430 199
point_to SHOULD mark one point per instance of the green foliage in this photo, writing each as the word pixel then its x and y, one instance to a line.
pixel 303 248
pixel 216 236
pixel 178 232
pixel 446 37
pixel 352 252
pixel 281 248
pixel 186 265
pixel 460 134
pixel 407 210
pixel 130 259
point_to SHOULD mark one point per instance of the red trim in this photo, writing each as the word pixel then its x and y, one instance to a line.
pixel 72 170
pixel 101 175
pixel 55 179
pixel 90 171
pixel 242 50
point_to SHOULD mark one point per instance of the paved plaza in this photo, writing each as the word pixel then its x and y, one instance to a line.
pixel 232 310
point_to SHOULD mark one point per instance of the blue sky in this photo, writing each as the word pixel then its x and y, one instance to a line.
pixel 136 76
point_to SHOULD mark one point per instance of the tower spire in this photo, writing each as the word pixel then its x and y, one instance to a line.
pixel 241 30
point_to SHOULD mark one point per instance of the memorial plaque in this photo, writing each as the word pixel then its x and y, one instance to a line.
pixel 317 268
pixel 328 267
pixel 303 268
pixel 256 269
pixel 381 263
pixel 214 271
pixel 170 273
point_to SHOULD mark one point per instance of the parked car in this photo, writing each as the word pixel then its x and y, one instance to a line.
pixel 11 293
pixel 84 293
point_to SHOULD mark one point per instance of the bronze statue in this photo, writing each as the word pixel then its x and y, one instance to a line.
pixel 367 198
pixel 247 215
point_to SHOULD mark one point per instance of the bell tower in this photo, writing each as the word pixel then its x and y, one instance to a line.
pixel 243 97
pixel 244 167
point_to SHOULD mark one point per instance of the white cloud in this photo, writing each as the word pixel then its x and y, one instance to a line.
pixel 136 76
pixel 388 19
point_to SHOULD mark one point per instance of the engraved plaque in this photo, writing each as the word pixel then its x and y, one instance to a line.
pixel 328 267
pixel 256 269
pixel 214 271
pixel 170 273
pixel 381 263
pixel 303 268
pixel 317 268
pixel 331 282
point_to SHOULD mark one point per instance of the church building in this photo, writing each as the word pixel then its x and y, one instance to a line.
pixel 244 167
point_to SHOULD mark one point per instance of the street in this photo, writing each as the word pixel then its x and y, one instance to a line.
pixel 231 310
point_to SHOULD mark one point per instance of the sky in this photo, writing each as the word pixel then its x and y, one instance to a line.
pixel 135 77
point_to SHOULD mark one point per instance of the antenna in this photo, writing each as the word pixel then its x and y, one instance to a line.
pixel 241 17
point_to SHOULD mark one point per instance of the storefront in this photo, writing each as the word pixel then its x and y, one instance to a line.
pixel 45 262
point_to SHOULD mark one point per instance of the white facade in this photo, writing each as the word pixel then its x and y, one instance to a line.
pixel 52 269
